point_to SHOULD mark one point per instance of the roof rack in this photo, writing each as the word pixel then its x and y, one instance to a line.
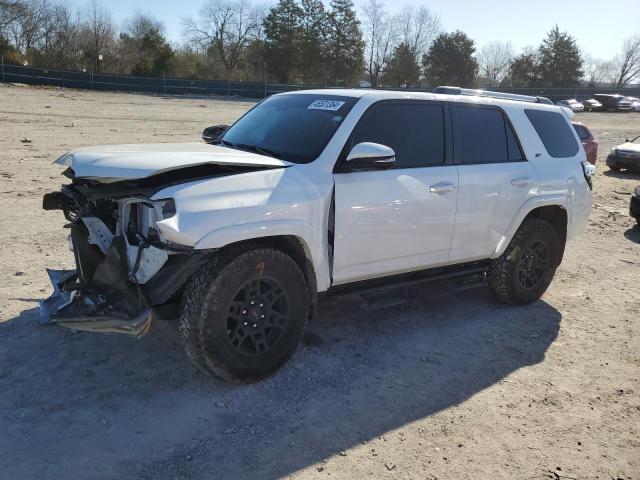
pixel 485 93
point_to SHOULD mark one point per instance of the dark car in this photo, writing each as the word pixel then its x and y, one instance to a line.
pixel 626 155
pixel 591 105
pixel 634 207
pixel 588 141
pixel 613 102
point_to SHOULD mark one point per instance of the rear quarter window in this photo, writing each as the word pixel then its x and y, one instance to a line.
pixel 555 132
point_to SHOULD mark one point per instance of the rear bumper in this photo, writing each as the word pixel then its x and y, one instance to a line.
pixel 630 163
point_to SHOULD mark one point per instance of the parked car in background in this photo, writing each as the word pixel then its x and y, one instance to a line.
pixel 635 103
pixel 573 104
pixel 634 207
pixel 588 141
pixel 625 156
pixel 591 104
pixel 613 102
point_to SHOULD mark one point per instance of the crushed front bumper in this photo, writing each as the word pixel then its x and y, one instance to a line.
pixel 98 296
pixel 79 311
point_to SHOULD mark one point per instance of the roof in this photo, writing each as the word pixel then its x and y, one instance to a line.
pixel 376 95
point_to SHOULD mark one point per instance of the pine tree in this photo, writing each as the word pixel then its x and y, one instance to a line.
pixel 560 60
pixel 282 28
pixel 450 60
pixel 523 72
pixel 403 67
pixel 314 30
pixel 345 47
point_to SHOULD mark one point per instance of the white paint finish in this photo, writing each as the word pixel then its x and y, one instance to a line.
pixel 387 222
pixel 489 197
pixel 390 222
pixel 139 161
pixel 215 212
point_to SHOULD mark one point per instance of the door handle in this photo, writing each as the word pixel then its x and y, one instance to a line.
pixel 522 181
pixel 441 188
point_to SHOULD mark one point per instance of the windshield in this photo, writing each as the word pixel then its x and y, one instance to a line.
pixel 293 127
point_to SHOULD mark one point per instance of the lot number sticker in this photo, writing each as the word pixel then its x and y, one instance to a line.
pixel 327 105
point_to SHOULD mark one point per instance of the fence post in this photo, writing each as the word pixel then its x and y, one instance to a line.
pixel 33 70
pixel 2 68
pixel 164 83
pixel 116 79
pixel 62 73
pixel 91 78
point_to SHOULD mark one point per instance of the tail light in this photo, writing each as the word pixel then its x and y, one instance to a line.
pixel 589 171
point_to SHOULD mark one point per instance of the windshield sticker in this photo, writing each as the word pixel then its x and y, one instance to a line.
pixel 327 105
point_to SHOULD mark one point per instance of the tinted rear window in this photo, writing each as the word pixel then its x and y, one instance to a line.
pixel 582 132
pixel 415 131
pixel 483 136
pixel 555 133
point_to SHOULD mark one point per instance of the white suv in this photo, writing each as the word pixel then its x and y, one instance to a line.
pixel 310 193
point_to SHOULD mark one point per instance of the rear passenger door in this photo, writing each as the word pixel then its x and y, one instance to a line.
pixel 398 220
pixel 495 179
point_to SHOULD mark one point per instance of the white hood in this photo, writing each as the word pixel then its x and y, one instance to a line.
pixel 121 162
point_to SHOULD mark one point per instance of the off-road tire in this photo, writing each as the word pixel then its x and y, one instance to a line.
pixel 502 275
pixel 204 312
pixel 614 167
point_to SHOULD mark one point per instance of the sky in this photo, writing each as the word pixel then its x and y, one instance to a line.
pixel 599 27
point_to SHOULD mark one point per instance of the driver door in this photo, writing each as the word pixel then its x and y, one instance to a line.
pixel 398 220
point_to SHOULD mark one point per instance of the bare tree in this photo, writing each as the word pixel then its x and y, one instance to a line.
pixel 494 59
pixel 225 27
pixel 29 28
pixel 99 34
pixel 10 12
pixel 418 27
pixel 597 71
pixel 380 39
pixel 628 62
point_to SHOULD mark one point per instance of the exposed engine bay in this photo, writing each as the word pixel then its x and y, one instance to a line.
pixel 124 268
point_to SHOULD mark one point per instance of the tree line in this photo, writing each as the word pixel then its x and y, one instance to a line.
pixel 298 41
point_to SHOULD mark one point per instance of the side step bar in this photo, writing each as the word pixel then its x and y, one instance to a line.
pixel 470 274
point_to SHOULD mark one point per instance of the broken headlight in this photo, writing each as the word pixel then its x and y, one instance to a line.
pixel 167 207
pixel 65 160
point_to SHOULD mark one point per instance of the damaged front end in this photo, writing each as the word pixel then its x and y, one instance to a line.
pixel 124 269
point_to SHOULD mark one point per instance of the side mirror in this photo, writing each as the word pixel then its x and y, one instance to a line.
pixel 212 134
pixel 627 140
pixel 370 156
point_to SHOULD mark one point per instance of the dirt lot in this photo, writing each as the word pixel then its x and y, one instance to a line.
pixel 451 385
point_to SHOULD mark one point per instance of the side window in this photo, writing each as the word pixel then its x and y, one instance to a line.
pixel 415 131
pixel 484 136
pixel 582 132
pixel 554 131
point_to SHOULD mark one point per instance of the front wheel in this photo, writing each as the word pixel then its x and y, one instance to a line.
pixel 243 314
pixel 524 271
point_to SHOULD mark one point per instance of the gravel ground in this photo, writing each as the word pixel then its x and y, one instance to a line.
pixel 449 385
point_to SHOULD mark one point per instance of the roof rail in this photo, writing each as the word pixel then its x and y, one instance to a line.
pixel 485 93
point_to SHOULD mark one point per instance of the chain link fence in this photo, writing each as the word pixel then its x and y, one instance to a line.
pixel 180 86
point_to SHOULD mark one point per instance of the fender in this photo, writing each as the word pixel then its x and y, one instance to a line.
pixel 310 237
pixel 526 209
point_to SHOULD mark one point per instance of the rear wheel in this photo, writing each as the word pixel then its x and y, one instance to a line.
pixel 524 271
pixel 243 314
